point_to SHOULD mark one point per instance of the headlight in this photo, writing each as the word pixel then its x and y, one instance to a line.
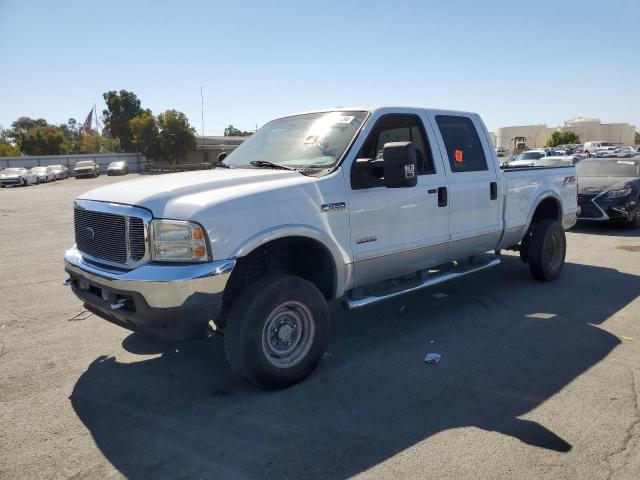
pixel 177 241
pixel 618 193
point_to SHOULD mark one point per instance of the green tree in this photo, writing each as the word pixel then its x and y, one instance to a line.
pixel 232 131
pixel 21 127
pixel 93 142
pixel 562 138
pixel 146 135
pixel 44 140
pixel 177 137
pixel 8 150
pixel 121 108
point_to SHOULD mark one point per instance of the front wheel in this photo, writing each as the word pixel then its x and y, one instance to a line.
pixel 277 331
pixel 547 249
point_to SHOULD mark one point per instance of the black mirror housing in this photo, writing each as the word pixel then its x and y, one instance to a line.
pixel 222 156
pixel 400 166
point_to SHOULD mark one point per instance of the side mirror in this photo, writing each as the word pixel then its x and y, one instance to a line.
pixel 400 169
pixel 222 156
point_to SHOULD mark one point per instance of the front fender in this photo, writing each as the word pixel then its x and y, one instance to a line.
pixel 342 265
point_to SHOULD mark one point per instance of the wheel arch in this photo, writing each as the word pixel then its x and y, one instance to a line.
pixel 307 237
pixel 547 205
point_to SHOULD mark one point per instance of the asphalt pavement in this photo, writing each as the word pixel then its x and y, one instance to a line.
pixel 536 380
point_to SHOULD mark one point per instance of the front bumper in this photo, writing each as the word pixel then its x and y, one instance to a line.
pixel 599 208
pixel 11 181
pixel 174 302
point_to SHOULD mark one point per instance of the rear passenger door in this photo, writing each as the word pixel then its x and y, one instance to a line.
pixel 475 225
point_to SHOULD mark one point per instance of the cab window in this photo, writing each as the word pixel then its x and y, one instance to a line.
pixel 463 145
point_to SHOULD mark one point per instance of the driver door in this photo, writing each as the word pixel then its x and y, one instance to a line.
pixel 395 231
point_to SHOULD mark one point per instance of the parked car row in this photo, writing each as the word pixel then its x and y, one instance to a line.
pixel 23 177
pixel 20 176
pixel 588 149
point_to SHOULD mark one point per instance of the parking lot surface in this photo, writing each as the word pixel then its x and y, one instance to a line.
pixel 535 381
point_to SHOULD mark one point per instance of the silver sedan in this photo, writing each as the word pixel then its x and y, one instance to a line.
pixel 118 168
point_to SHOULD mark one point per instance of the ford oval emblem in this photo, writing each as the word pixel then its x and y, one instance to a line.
pixel 89 232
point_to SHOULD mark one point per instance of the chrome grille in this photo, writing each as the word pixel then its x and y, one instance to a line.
pixel 136 238
pixel 110 237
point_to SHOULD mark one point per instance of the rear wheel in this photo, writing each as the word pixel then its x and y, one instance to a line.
pixel 546 250
pixel 277 331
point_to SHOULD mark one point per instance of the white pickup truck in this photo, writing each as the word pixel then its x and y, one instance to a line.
pixel 359 204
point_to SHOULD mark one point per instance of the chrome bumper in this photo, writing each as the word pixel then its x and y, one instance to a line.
pixel 161 286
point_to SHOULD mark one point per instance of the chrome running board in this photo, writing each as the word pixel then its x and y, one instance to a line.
pixel 421 280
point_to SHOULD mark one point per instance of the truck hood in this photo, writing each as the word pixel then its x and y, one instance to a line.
pixel 603 184
pixel 178 195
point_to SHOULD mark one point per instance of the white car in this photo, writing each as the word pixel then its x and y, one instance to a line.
pixel 17 176
pixel 360 204
pixel 44 174
pixel 598 145
pixel 527 159
pixel 558 161
pixel 61 171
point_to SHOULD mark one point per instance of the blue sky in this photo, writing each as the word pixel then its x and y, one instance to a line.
pixel 514 62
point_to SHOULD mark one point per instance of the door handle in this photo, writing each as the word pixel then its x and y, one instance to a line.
pixel 493 189
pixel 442 196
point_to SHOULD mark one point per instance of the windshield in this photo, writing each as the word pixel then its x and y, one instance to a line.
pixel 606 168
pixel 56 167
pixel 84 164
pixel 38 169
pixel 529 156
pixel 13 171
pixel 315 140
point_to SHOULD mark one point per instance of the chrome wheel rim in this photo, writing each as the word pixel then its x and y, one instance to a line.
pixel 288 334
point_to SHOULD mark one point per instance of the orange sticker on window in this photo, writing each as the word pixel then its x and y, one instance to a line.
pixel 459 156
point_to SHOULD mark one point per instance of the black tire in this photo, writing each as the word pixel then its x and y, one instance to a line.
pixel 273 301
pixel 635 222
pixel 547 250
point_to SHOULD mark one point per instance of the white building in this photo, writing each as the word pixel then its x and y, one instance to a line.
pixel 588 129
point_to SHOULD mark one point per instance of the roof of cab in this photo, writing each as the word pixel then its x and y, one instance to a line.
pixel 375 108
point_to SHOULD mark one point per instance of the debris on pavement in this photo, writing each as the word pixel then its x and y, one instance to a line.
pixel 432 358
pixel 82 315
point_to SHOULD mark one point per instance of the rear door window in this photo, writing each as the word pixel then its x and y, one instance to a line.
pixel 463 145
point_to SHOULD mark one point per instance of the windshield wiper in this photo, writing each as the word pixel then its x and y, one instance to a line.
pixel 267 164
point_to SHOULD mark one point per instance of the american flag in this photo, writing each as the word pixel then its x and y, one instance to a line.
pixel 86 126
